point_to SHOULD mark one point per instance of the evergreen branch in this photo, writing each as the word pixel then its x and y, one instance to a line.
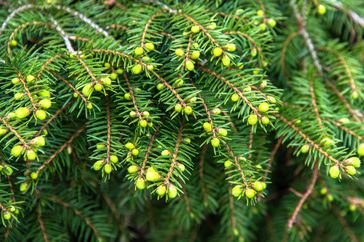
pixel 65 37
pixel 164 82
pixel 149 22
pixel 284 51
pixel 311 48
pixel 42 226
pixel 346 67
pixel 208 114
pixel 108 137
pixel 304 197
pixel 84 99
pixel 231 85
pixel 148 152
pixel 22 26
pixel 48 62
pixel 175 155
pixel 309 43
pixel 314 104
pixel 271 157
pixel 60 149
pixel 132 94
pixel 23 82
pixel 251 141
pixel 51 119
pixel 347 130
pixel 236 162
pixel 83 18
pixel 77 213
pixel 12 15
pixel 11 128
pixel 203 29
pixel 343 100
pixel 201 174
pixel 87 68
pixel 307 139
pixel 188 48
pixel 250 39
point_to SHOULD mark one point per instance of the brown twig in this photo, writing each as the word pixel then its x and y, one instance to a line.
pixel 60 149
pixel 147 26
pixel 175 154
pixel 236 162
pixel 21 139
pixel 304 197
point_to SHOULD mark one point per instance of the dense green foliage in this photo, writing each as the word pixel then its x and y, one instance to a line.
pixel 181 120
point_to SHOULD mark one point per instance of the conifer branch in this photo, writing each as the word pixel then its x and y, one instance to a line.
pixel 346 129
pixel 237 165
pixel 272 156
pixel 22 26
pixel 11 128
pixel 304 197
pixel 60 149
pixel 187 56
pixel 345 64
pixel 201 174
pixel 314 104
pixel 250 39
pixel 149 22
pixel 87 68
pixel 231 85
pixel 308 140
pixel 162 80
pixel 132 94
pixel 357 116
pixel 83 98
pixel 78 213
pixel 309 43
pixel 208 114
pixel 51 119
pixel 108 137
pixel 289 39
pixel 203 29
pixel 48 62
pixel 149 149
pixel 25 86
pixel 175 154
pixel 251 141
pixel 12 15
